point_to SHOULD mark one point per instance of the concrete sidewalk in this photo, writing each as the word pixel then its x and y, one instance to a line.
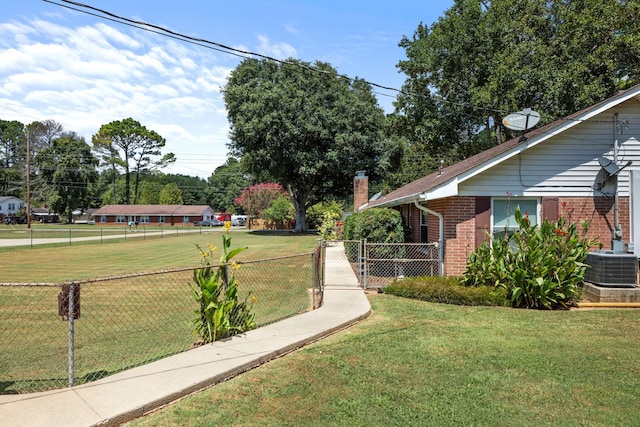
pixel 129 394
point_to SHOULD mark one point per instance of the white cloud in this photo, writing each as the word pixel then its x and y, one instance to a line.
pixel 278 50
pixel 84 77
pixel 291 29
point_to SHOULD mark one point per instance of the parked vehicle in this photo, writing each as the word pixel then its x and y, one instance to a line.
pixel 15 219
pixel 225 216
pixel 208 223
pixel 238 220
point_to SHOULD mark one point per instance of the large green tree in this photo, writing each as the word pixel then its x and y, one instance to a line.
pixel 306 128
pixel 128 145
pixel 171 194
pixel 40 135
pixel 68 167
pixel 12 157
pixel 484 59
pixel 225 184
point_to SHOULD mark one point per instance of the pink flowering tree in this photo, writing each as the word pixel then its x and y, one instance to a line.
pixel 256 198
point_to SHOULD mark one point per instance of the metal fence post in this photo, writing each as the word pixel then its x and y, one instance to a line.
pixel 314 267
pixel 71 332
pixel 363 253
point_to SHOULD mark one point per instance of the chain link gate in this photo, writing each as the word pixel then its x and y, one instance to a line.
pixel 386 262
pixel 378 264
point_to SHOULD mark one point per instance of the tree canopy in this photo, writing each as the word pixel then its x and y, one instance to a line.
pixel 131 146
pixel 68 167
pixel 306 128
pixel 225 184
pixel 12 156
pixel 255 199
pixel 484 59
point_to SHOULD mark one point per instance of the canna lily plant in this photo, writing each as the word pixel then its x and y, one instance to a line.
pixel 220 313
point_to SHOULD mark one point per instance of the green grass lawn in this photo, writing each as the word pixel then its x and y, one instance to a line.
pixel 426 364
pixel 92 259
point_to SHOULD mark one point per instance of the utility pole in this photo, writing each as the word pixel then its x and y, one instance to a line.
pixel 28 180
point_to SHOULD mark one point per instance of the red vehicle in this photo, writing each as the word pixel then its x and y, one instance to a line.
pixel 225 216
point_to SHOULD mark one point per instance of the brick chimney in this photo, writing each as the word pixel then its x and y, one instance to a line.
pixel 360 190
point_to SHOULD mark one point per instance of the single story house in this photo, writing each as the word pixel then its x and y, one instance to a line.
pixel 81 216
pixel 584 167
pixel 44 215
pixel 152 214
pixel 10 205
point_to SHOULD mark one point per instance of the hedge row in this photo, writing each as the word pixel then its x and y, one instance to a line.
pixel 447 290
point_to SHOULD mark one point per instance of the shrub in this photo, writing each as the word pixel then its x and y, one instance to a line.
pixel 539 267
pixel 328 229
pixel 316 213
pixel 281 211
pixel 376 225
pixel 447 290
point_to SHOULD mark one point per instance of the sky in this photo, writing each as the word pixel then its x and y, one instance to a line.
pixel 84 71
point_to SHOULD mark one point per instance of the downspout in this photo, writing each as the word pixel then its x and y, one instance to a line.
pixel 441 234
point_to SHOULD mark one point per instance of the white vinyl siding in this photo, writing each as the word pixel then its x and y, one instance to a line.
pixel 566 164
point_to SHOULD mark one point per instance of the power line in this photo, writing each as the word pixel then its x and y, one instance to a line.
pixel 145 26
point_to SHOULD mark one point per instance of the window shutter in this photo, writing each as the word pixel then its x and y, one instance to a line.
pixel 550 208
pixel 483 218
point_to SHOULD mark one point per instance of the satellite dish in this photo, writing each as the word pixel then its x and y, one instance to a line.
pixel 522 120
pixel 610 167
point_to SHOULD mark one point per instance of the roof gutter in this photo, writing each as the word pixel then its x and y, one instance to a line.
pixel 441 234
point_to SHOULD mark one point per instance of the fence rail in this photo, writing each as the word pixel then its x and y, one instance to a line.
pixel 22 236
pixel 129 320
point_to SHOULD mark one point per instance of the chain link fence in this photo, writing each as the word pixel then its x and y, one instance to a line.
pixel 22 236
pixel 129 320
pixel 377 264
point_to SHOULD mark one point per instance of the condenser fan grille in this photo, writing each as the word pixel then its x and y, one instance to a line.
pixel 611 269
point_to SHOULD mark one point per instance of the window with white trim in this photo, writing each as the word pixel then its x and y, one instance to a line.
pixel 121 219
pixel 185 219
pixel 103 219
pixel 162 219
pixel 503 214
pixel 144 219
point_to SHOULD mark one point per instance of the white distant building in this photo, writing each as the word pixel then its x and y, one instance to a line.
pixel 10 205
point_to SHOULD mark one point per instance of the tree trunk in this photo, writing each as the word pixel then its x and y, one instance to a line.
pixel 127 187
pixel 299 202
pixel 135 188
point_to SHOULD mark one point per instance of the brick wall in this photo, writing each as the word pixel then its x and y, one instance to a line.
pixel 459 224
pixel 600 212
